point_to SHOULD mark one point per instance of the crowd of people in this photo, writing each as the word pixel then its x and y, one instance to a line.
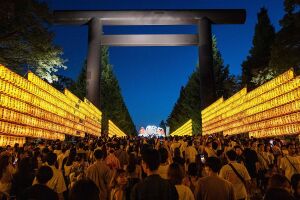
pixel 136 168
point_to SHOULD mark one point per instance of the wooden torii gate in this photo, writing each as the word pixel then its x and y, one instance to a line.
pixel 202 18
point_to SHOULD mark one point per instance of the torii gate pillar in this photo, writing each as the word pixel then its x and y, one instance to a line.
pixel 93 70
pixel 207 83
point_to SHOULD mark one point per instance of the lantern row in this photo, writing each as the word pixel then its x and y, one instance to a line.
pixel 271 107
pixel 11 140
pixel 219 110
pixel 281 95
pixel 113 130
pixel 185 129
pixel 37 104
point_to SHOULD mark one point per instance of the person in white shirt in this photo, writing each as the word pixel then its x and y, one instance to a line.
pixel 237 174
pixel 290 164
pixel 61 157
pixel 57 182
pixel 164 164
pixel 190 152
pixel 175 145
pixel 211 149
pixel 176 175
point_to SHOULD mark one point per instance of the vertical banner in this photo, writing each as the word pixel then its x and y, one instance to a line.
pixel 167 130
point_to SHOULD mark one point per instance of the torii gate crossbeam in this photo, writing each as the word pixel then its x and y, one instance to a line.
pixel 202 18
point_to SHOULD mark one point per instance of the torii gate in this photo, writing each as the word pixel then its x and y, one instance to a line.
pixel 202 18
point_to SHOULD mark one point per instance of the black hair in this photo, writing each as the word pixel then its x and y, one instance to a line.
pixel 117 174
pixel 193 169
pixel 213 163
pixel 278 181
pixel 214 145
pixel 25 167
pixel 71 158
pixel 289 144
pixel 51 158
pixel 152 158
pixel 84 189
pixel 295 180
pixel 131 163
pixel 231 154
pixel 163 152
pixel 4 162
pixel 98 154
pixel 177 152
pixel 44 174
pixel 175 173
pixel 237 147
pixel 259 145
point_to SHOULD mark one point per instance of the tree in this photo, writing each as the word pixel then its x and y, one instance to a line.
pixel 188 105
pixel 79 87
pixel 113 106
pixel 63 82
pixel 25 39
pixel 225 83
pixel 259 55
pixel 286 49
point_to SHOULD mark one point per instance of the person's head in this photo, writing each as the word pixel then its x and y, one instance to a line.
pixel 261 147
pixel 25 166
pixel 279 181
pixel 119 179
pixel 150 160
pixel 212 165
pixel 214 145
pixel 193 169
pixel 98 154
pixel 131 163
pixel 51 158
pixel 177 152
pixel 253 144
pixel 231 155
pixel 44 174
pixel 246 144
pixel 268 148
pixel 295 181
pixel 238 150
pixel 5 162
pixel 175 173
pixel 163 152
pixel 209 144
pixel 64 149
pixel 291 148
pixel 84 189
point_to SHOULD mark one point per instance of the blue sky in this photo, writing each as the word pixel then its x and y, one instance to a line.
pixel 150 77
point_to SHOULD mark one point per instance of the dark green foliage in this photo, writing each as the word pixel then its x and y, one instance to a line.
pixel 112 104
pixel 63 82
pixel 225 83
pixel 259 55
pixel 25 41
pixel 188 105
pixel 286 49
pixel 79 88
